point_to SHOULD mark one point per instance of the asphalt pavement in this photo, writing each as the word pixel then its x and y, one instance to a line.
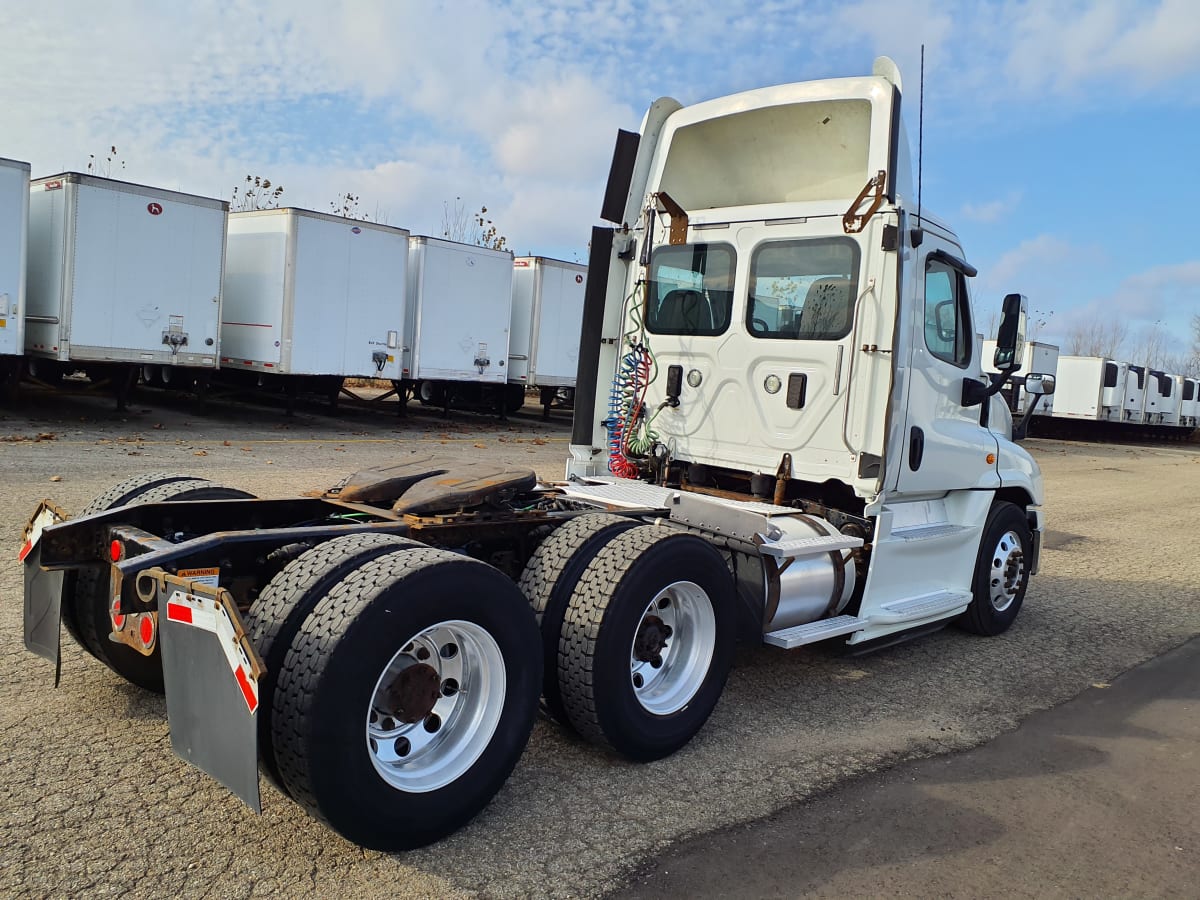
pixel 93 802
pixel 1098 797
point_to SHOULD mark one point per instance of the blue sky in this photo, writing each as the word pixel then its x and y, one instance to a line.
pixel 1061 137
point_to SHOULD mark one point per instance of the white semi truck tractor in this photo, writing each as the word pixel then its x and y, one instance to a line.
pixel 783 432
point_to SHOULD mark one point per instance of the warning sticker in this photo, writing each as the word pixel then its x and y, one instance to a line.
pixel 209 576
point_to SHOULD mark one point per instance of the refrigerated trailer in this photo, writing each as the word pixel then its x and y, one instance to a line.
pixel 14 231
pixel 1189 402
pixel 457 322
pixel 1090 389
pixel 122 275
pixel 547 312
pixel 1162 402
pixel 313 296
pixel 1136 389
pixel 783 430
pixel 1038 357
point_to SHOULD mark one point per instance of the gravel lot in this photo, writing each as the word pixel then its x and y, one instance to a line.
pixel 92 799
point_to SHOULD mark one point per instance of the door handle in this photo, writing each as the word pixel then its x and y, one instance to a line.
pixel 916 447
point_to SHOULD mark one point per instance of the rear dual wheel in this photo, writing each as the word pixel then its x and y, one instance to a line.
pixel 646 635
pixel 86 605
pixel 406 697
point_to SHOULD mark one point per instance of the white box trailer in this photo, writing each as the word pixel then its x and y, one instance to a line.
pixel 1038 357
pixel 313 294
pixel 458 315
pixel 1090 388
pixel 123 272
pixel 14 232
pixel 547 312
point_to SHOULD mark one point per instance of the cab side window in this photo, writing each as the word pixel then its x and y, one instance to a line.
pixel 948 333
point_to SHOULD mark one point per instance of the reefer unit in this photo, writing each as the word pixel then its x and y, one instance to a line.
pixel 1162 400
pixel 1136 388
pixel 1038 357
pixel 313 294
pixel 1091 388
pixel 1189 403
pixel 14 230
pixel 459 299
pixel 547 313
pixel 123 272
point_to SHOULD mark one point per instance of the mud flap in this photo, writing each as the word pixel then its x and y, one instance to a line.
pixel 42 612
pixel 211 676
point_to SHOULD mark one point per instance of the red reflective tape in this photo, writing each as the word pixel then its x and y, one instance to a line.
pixel 24 552
pixel 179 612
pixel 247 689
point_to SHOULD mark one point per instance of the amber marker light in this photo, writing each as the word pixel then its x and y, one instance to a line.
pixel 991 458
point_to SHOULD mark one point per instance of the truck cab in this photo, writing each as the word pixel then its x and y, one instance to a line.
pixel 779 326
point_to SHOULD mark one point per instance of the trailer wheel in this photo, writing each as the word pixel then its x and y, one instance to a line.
pixel 430 393
pixel 1001 571
pixel 514 397
pixel 280 610
pixel 90 600
pixel 407 698
pixel 549 580
pixel 647 642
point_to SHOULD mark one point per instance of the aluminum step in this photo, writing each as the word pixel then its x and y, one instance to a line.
pixel 808 546
pixel 917 608
pixel 811 632
pixel 928 532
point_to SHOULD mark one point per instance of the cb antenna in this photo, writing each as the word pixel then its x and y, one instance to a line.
pixel 920 135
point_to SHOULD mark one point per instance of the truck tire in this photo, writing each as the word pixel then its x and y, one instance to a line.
pixel 650 595
pixel 117 495
pixel 1001 571
pixel 90 599
pixel 276 616
pixel 549 580
pixel 458 717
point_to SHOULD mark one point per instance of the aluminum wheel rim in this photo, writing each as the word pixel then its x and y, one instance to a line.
pixel 685 655
pixel 1007 572
pixel 428 754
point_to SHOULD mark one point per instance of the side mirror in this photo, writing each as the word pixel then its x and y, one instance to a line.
pixel 1037 383
pixel 1010 337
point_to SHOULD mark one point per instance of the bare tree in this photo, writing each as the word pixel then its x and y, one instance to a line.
pixel 258 193
pixel 1097 338
pixel 470 228
pixel 1151 349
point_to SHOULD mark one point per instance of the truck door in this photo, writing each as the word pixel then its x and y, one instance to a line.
pixel 944 445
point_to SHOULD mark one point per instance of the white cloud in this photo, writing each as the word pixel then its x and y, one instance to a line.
pixel 990 211
pixel 513 105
